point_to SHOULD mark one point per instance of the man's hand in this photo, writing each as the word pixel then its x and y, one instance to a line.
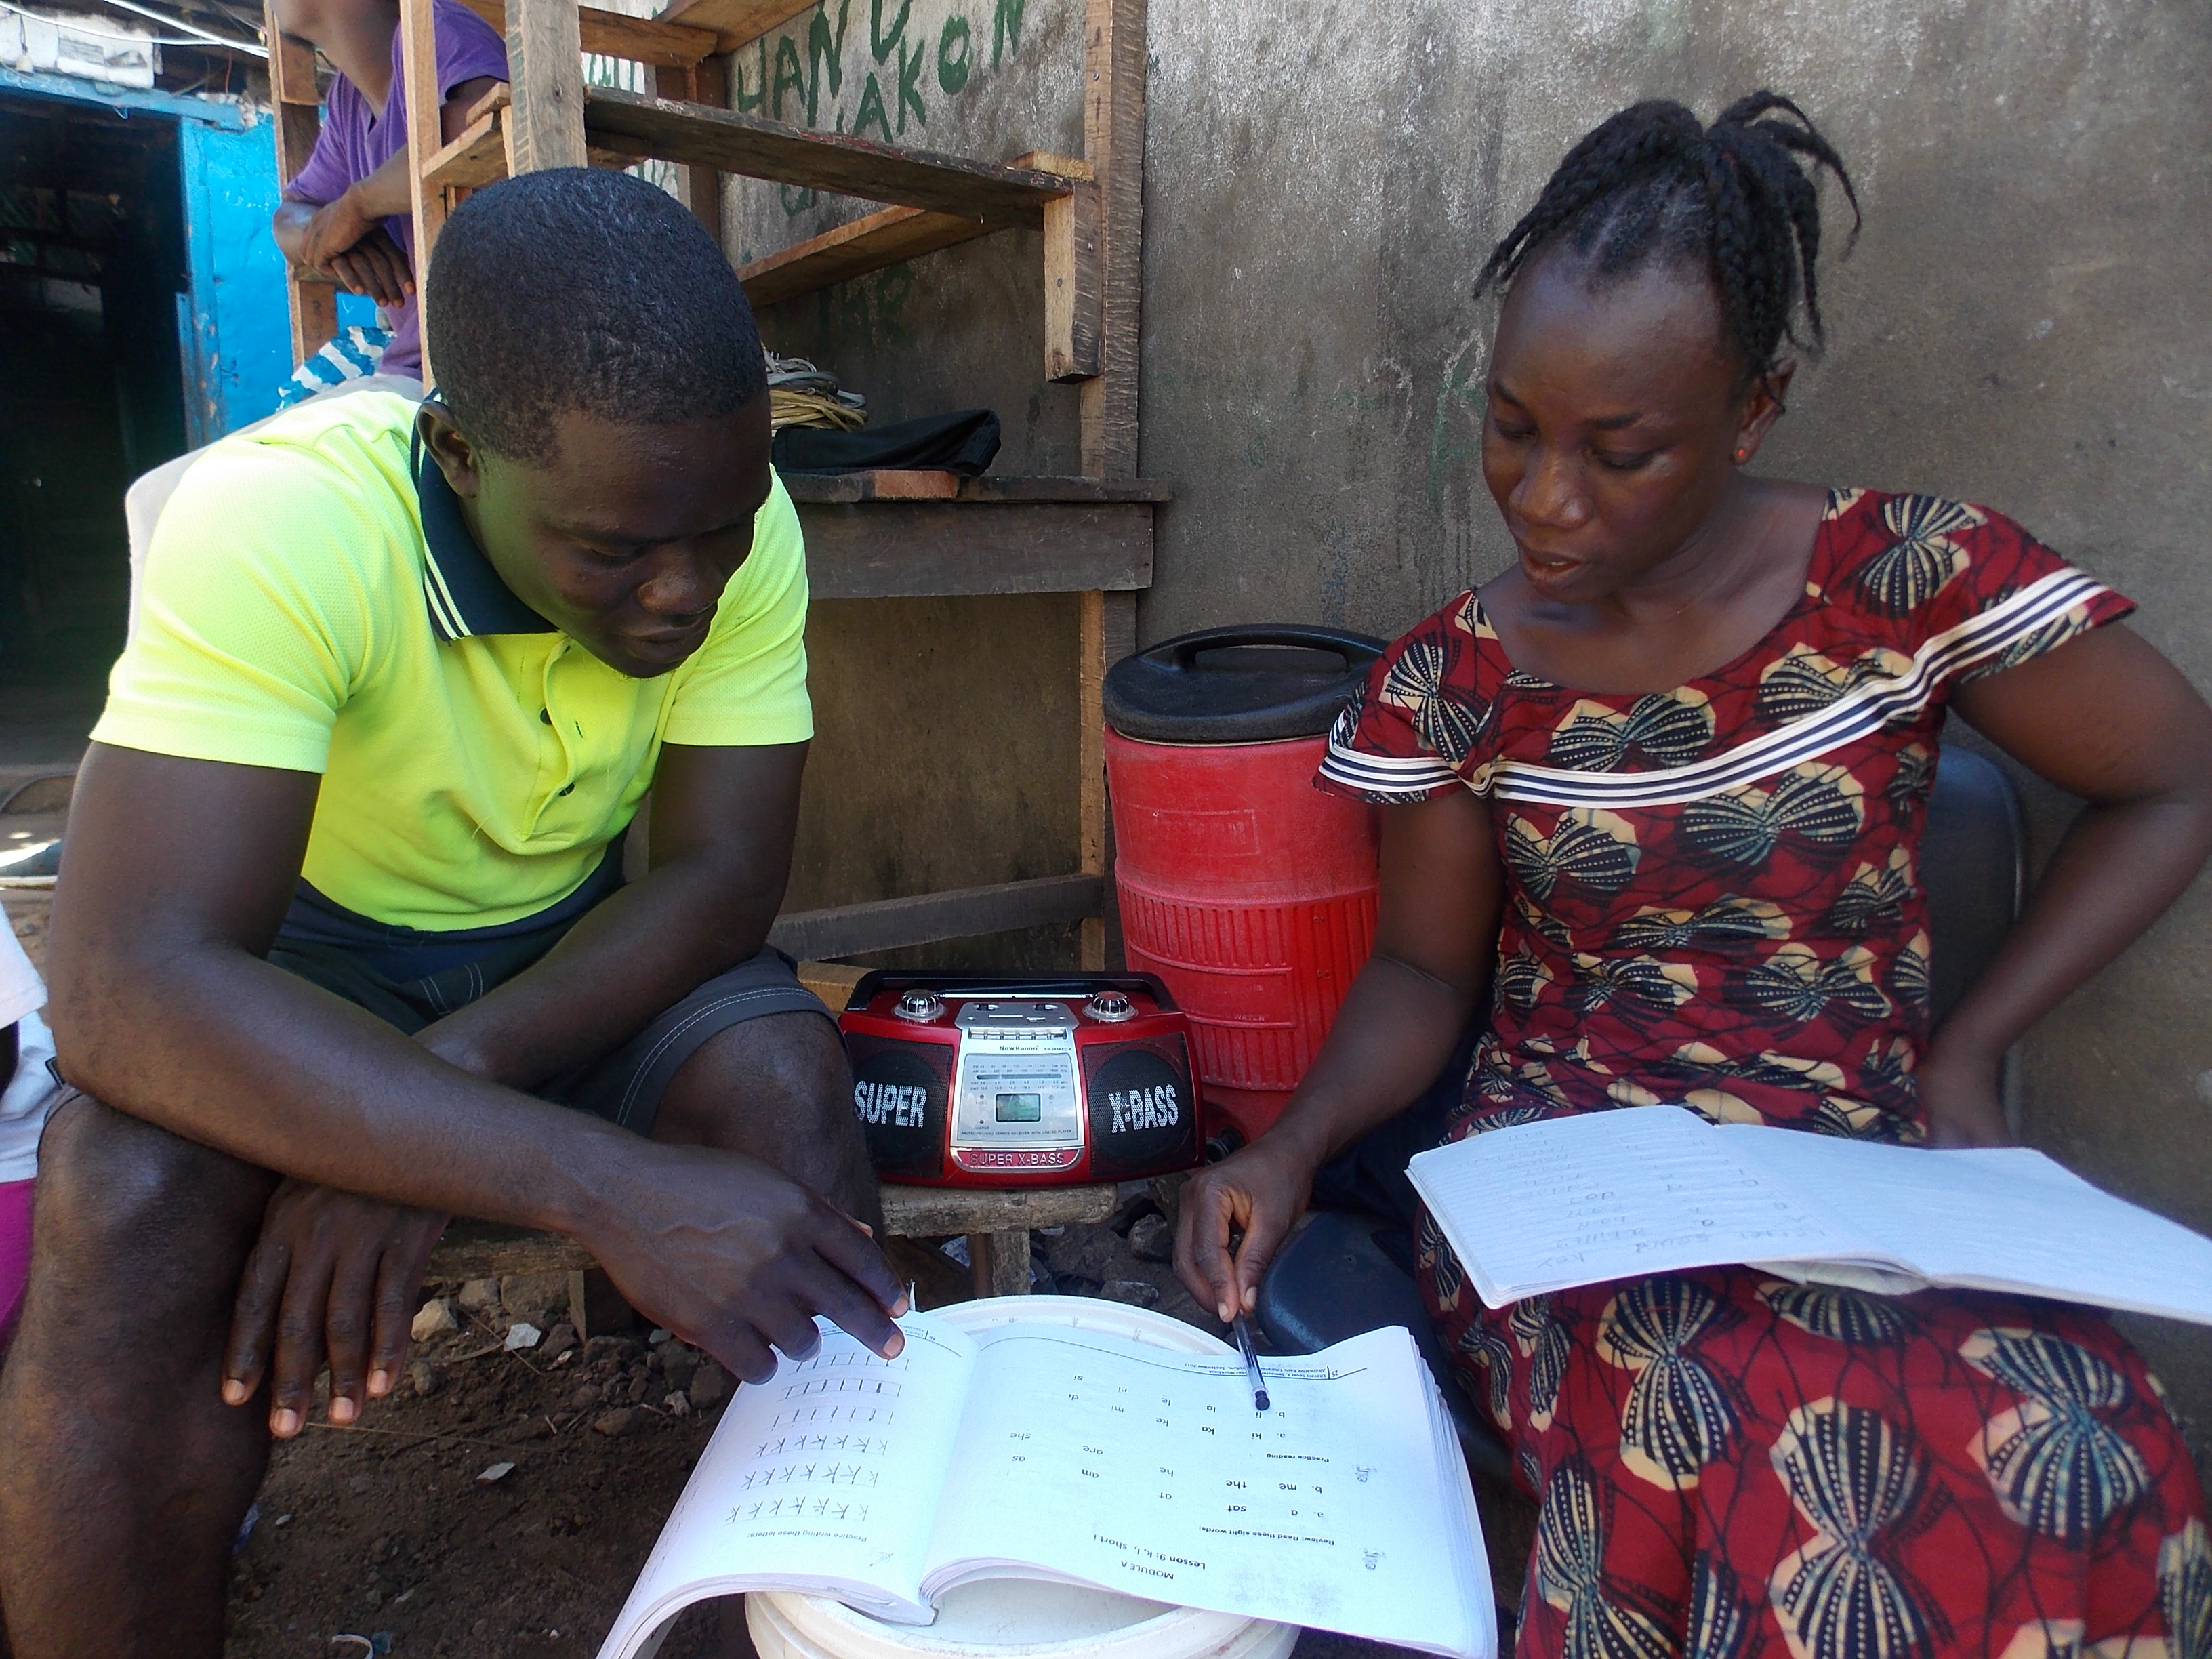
pixel 734 1257
pixel 1260 1192
pixel 374 265
pixel 346 241
pixel 333 228
pixel 333 1276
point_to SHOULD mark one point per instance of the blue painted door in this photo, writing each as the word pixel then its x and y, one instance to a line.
pixel 238 343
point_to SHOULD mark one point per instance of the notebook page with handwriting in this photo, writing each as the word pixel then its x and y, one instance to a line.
pixel 2003 1219
pixel 1578 1201
pixel 826 1477
pixel 1090 1458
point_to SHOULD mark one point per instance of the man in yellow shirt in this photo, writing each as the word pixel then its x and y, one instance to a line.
pixel 341 945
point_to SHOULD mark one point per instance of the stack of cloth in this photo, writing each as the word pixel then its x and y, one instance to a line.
pixel 799 394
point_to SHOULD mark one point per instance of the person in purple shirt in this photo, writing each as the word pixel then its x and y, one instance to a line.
pixel 349 213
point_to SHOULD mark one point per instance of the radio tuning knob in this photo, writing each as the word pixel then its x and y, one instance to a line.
pixel 1109 1007
pixel 920 1006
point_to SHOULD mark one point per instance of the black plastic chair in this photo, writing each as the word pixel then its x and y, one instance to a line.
pixel 1350 1269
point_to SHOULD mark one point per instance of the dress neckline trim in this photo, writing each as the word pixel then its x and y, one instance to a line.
pixel 1813 595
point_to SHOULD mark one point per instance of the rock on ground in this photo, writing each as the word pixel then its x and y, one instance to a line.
pixel 1152 1239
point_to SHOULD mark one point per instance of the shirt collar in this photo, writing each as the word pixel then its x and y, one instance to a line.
pixel 465 595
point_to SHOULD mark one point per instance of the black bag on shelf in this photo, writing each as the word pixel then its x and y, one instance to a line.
pixel 963 443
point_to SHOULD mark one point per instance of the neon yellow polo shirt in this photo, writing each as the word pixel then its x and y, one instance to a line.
pixel 305 604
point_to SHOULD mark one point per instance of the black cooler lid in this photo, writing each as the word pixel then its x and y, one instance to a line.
pixel 1254 682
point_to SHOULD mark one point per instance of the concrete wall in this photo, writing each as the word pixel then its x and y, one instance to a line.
pixel 2027 321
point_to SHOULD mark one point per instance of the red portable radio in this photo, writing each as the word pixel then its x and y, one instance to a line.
pixel 980 1080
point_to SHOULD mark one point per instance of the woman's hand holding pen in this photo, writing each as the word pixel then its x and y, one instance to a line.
pixel 1260 1192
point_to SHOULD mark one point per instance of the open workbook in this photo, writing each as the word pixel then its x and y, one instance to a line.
pixel 1582 1200
pixel 1042 1451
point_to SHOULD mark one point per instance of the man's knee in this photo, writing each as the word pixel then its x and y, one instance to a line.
pixel 126 1212
pixel 783 1071
pixel 778 1088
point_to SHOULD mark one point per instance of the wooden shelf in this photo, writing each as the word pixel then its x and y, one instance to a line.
pixel 653 40
pixel 880 548
pixel 882 239
pixel 638 127
pixel 477 157
pixel 848 930
pixel 822 488
pixel 736 22
pixel 927 1211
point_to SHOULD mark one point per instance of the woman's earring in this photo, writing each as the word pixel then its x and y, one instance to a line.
pixel 1742 456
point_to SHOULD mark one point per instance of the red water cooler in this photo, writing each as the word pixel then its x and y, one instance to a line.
pixel 1250 892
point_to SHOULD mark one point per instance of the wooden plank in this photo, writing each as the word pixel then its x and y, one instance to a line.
pixel 848 930
pixel 309 299
pixel 616 35
pixel 1117 638
pixel 699 187
pixel 312 302
pixel 1114 144
pixel 991 487
pixel 498 98
pixel 904 549
pixel 477 157
pixel 1001 1262
pixel 738 22
pixel 545 72
pixel 881 239
pixel 418 69
pixel 291 79
pixel 633 124
pixel 1072 272
pixel 645 40
pixel 1091 762
pixel 928 1212
pixel 298 126
pixel 899 486
pixel 833 981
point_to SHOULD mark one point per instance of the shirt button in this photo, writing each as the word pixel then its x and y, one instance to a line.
pixel 545 716
pixel 567 788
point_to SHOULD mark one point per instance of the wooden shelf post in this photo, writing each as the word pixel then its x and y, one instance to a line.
pixel 312 300
pixel 706 82
pixel 545 67
pixel 1114 145
pixel 418 70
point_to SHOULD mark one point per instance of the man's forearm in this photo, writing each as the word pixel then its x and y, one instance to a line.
pixel 221 1048
pixel 386 193
pixel 722 824
pixel 634 956
pixel 290 224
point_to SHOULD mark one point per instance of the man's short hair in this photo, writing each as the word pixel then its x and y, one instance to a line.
pixel 578 289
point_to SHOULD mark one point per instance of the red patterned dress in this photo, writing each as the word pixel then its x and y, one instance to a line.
pixel 1712 899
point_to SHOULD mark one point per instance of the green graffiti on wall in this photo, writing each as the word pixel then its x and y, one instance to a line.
pixel 805 84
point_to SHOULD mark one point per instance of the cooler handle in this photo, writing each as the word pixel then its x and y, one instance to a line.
pixel 1356 651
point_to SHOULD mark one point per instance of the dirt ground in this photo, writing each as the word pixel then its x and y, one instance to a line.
pixel 388 1538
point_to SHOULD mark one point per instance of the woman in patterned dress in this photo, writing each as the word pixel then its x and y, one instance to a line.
pixel 1656 793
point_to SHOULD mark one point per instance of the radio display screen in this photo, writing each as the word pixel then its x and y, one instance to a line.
pixel 1020 1109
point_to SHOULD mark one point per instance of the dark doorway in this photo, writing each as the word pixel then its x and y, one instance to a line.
pixel 92 267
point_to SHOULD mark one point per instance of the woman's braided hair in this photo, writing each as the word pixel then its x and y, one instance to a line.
pixel 1734 198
